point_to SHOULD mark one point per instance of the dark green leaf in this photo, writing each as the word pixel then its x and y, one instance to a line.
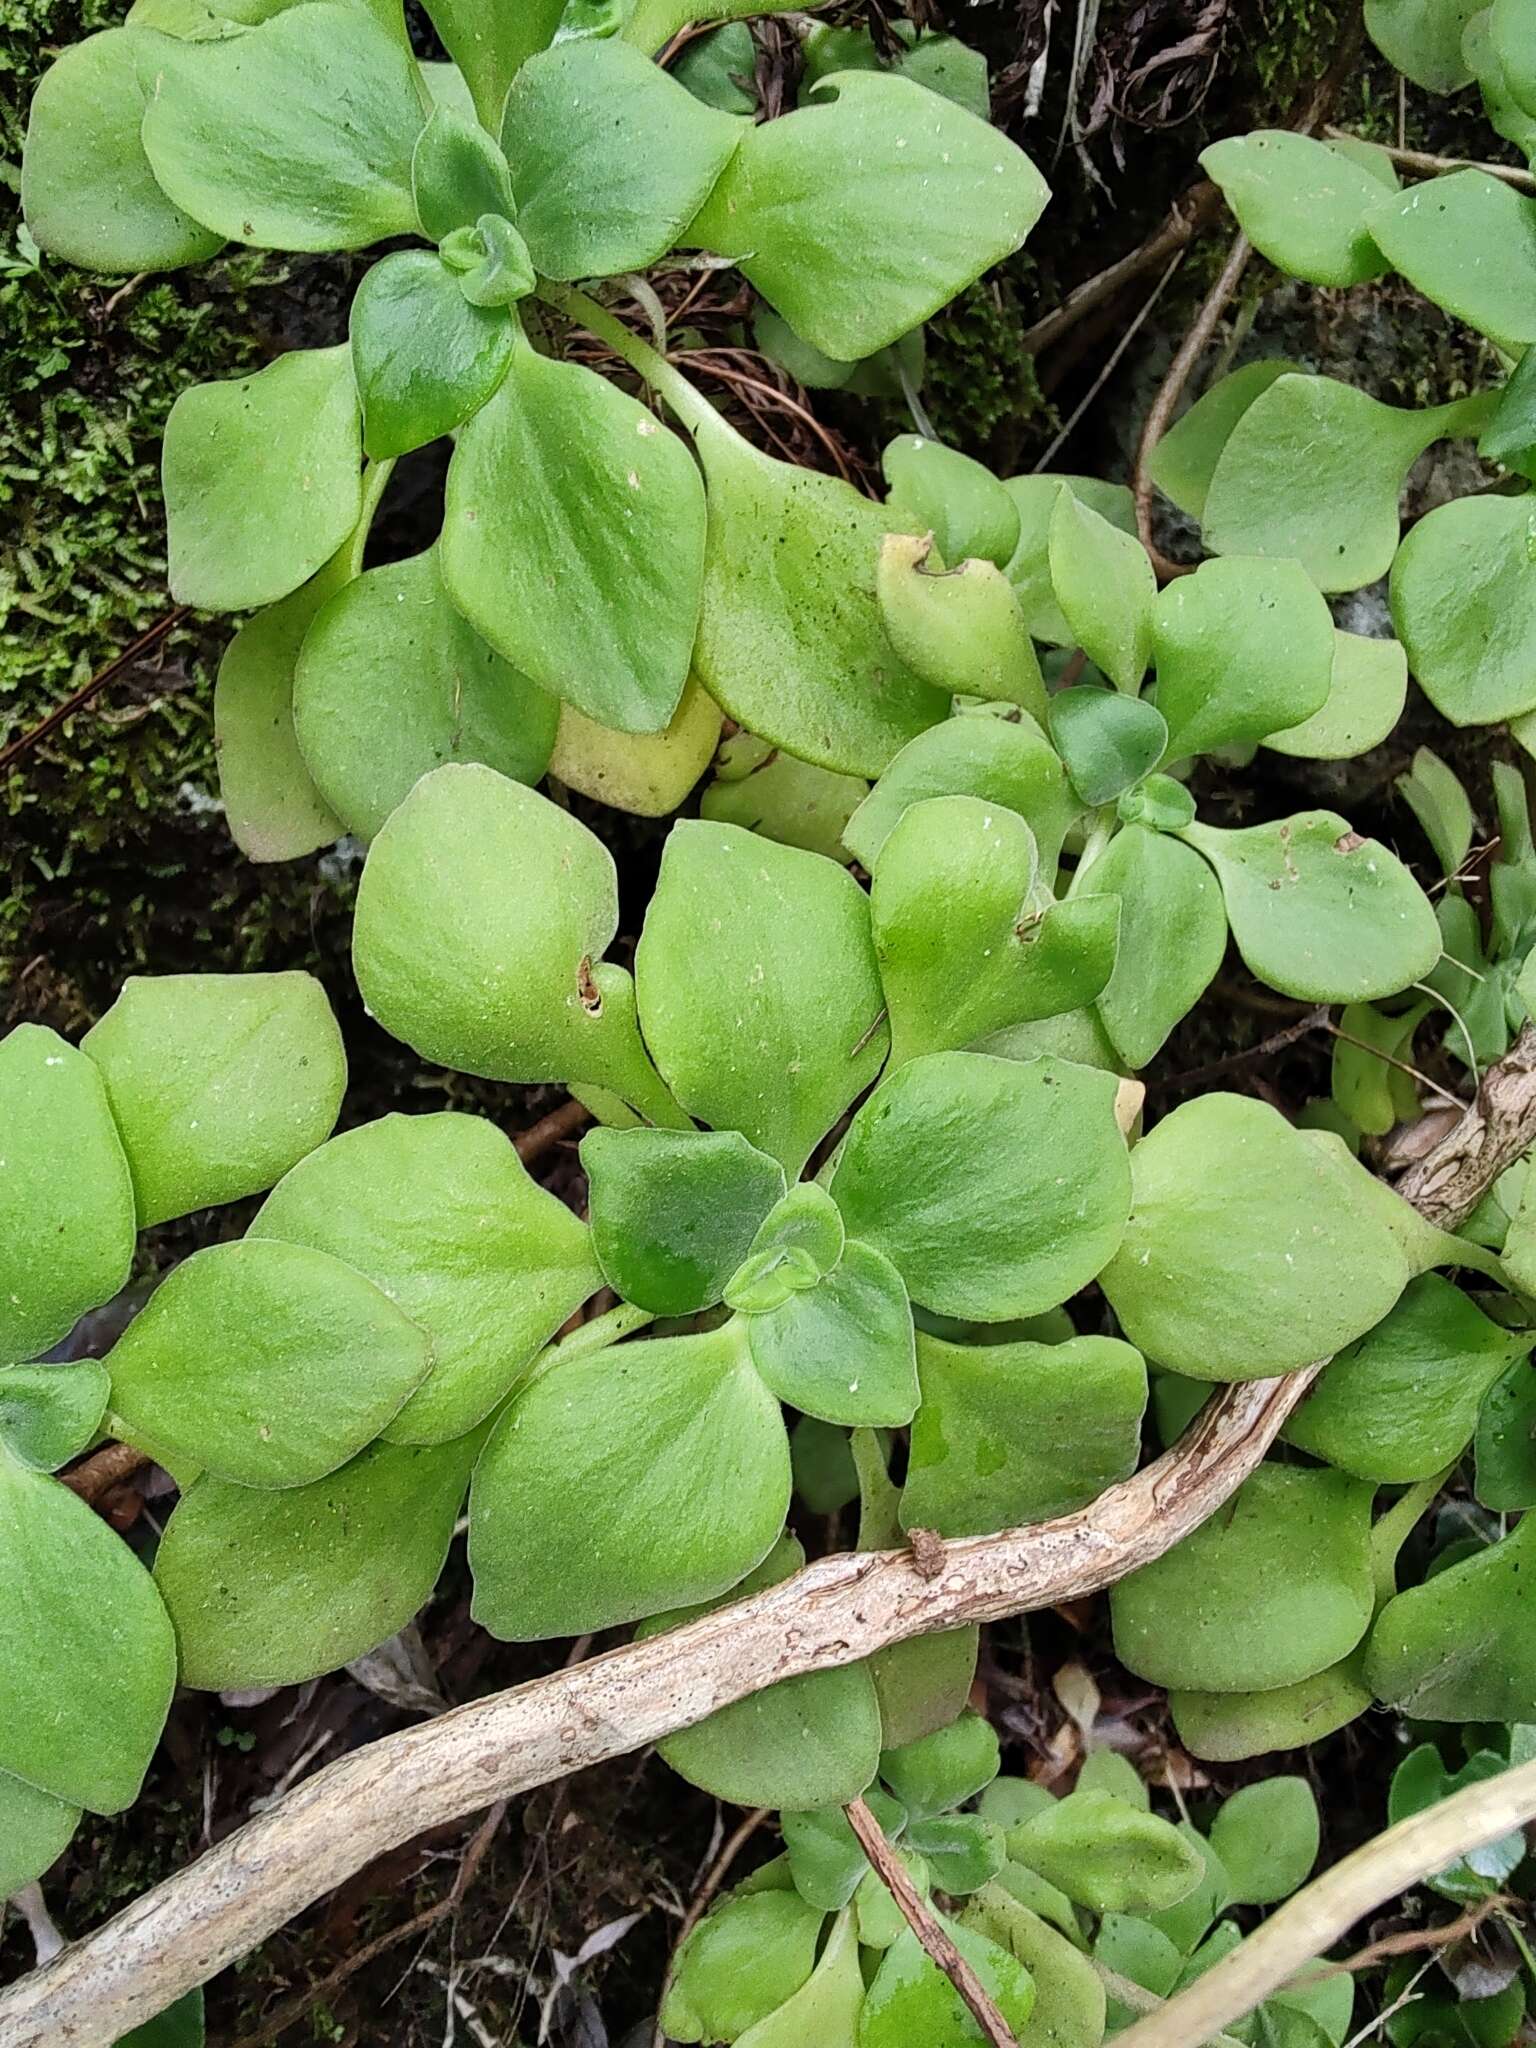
pixel 457 174
pixel 1106 741
pixel 674 1213
pixel 1173 933
pixel 423 356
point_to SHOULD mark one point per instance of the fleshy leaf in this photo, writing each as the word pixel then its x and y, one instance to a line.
pixel 1248 1250
pixel 688 1450
pixel 261 475
pixel 1365 700
pixel 807 1742
pixel 923 1683
pixel 491 980
pixel 423 356
pixel 1184 460
pixel 563 481
pixel 1462 1647
pixel 1029 570
pixel 392 682
pixel 962 630
pixel 1423 39
pixel 1312 472
pixel 611 159
pixel 910 1999
pixel 966 943
pixel 801 1240
pixel 765 790
pixel 1318 912
pixel 961 1852
pixel 758 988
pixel 791 642
pixel 1506 1441
pixel 1403 1402
pixel 1243 649
pixel 937 490
pixel 490 44
pixel 35 1830
pixel 218 1082
pixel 87 1658
pixel 997 1188
pixel 1173 933
pixel 440 1213
pixel 267 1364
pixel 1301 204
pixel 843 1349
pixel 296 134
pixel 674 1213
pixel 1275 1587
pixel 1107 1854
pixel 457 174
pixel 1105 585
pixel 826 1858
pixel 742 1962
pixel 645 773
pixel 87 190
pixel 998 759
pixel 1369 1085
pixel 944 1769
pixel 1014 1433
pixel 49 1413
pixel 1267 1837
pixel 274 1587
pixel 1464 606
pixel 826 2007
pixel 1467 241
pixel 816 209
pixel 67 1220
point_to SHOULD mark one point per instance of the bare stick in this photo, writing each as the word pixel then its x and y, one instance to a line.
pixel 150 637
pixel 920 1917
pixel 1433 166
pixel 1328 1907
pixel 95 1478
pixel 835 1612
pixel 1189 215
pixel 560 1123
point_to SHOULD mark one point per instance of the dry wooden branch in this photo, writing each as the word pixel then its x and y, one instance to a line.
pixel 835 1612
pixel 1316 1917
pixel 920 1917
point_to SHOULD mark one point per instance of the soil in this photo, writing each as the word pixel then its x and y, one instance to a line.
pixel 155 886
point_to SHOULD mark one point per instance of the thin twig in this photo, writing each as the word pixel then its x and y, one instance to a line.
pixel 560 1123
pixel 150 637
pixel 1411 1943
pixel 1326 1909
pixel 1434 166
pixel 1389 1060
pixel 716 1875
pixel 1112 363
pixel 1189 215
pixel 1316 1019
pixel 919 1916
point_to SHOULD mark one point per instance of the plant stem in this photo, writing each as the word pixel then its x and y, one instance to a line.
pixel 690 404
pixel 375 476
pixel 879 1522
pixel 920 1917
pixel 1100 832
pixel 597 1335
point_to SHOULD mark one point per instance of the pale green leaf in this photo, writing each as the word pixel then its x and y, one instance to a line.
pixel 1184 460
pixel 490 44
pixel 843 1349
pixel 35 1830
pixel 1267 1836
pixel 1462 1647
pixel 645 773
pixel 50 1413
pixel 1243 649
pixel 1365 700
pixel 1106 588
pixel 1423 38
pixel 1173 933
pixel 1029 570
pixel 742 1962
pixel 1107 1854
pixel 1467 241
pixel 674 1213
pixel 910 1999
pixel 1464 606
pixel 962 630
pixel 1301 203
pixel 457 174
pixel 938 491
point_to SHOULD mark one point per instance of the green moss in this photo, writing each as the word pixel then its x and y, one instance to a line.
pixel 980 390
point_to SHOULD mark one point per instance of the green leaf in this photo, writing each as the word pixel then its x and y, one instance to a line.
pixel 296 134
pixel 997 1188
pixel 1184 460
pixel 66 1199
pixel 392 682
pixel 1484 51
pixel 1248 1251
pixel 1318 912
pixel 1313 472
pixel 423 356
pixel 961 1850
pixel 440 1213
pixel 611 159
pixel 826 2008
pixel 1105 585
pixel 1506 1441
pixel 564 481
pixel 1173 933
pixel 923 1683
pixel 274 1587
pixel 179 2026
pixel 646 773
pixel 1301 204
pixel 966 942
pixel 910 1999
pixel 674 1213
pixel 489 45
pixel 490 263
pixel 1070 2006
pixel 1267 1836
pixel 1134 1948
pixel 1510 28
pixel 457 174
pixel 742 1962
pixel 269 1364
pixel 791 642
pixel 1186 1923
pixel 35 1830
pixel 261 475
pixel 938 491
pixel 719 68
pixel 1029 571
pixel 1365 700
pixel 758 987
pixel 765 790
pixel 800 1241
pixel 1107 742
pixel 1423 39
pixel 815 209
pixel 271 804
pixel 842 1349
pixel 1510 436
pixel 1373 1093
pixel 1421 1781
pixel 942 1770
pixel 962 630
pixel 1461 1647
pixel 996 759
pixel 1012 1433
pixel 1467 241
pixel 87 1659
pixel 218 1082
pixel 492 980
pixel 1464 607
pixel 879 1918
pixel 87 191
pixel 1107 1854
pixel 807 1742
pixel 1243 649
pixel 826 1859
pixel 1275 1587
pixel 50 1413
pixel 685 1448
